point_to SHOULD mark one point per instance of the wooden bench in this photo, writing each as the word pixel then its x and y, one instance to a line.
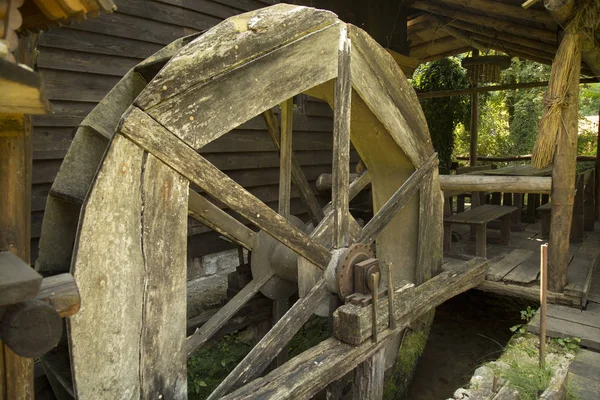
pixel 479 217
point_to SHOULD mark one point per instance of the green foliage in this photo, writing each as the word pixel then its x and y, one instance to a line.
pixel 589 98
pixel 526 315
pixel 444 113
pixel 528 378
pixel 212 363
pixel 567 343
pixel 311 334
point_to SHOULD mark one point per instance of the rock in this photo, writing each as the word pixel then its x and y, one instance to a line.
pixel 462 394
pixel 483 381
pixel 506 393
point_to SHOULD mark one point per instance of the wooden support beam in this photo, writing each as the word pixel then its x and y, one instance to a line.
pixel 499 9
pixel 458 34
pixel 61 292
pixel 306 194
pixel 269 346
pixel 474 123
pixel 307 374
pixel 218 220
pixel 352 323
pixel 563 11
pixel 153 137
pixel 369 377
pixel 285 157
pixel 217 321
pixel 341 145
pixel 16 373
pixel 526 157
pixel 563 178
pixel 507 37
pixel 492 23
pixel 398 200
pixel 597 176
pixel 485 183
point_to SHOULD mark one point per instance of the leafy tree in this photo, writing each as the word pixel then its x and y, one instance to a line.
pixel 443 114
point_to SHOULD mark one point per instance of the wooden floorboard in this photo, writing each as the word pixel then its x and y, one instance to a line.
pixel 578 271
pixel 502 266
pixel 559 327
pixel 584 376
pixel 526 272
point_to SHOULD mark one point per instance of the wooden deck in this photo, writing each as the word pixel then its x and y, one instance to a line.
pixel 514 269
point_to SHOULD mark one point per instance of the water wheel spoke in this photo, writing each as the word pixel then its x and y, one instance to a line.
pixel 398 200
pixel 285 157
pixel 218 220
pixel 216 322
pixel 341 145
pixel 153 137
pixel 271 344
pixel 298 178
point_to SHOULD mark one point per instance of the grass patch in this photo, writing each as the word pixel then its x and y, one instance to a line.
pixel 528 378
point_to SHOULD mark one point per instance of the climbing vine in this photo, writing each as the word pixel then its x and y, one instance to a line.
pixel 443 113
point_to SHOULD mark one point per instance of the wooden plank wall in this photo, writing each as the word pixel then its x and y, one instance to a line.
pixel 81 63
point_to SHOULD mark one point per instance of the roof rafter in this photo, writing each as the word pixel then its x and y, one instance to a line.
pixel 493 23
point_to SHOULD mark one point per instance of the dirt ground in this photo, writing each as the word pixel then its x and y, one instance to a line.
pixel 467 331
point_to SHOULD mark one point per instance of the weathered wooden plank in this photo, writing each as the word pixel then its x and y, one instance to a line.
pixel 169 14
pixel 269 346
pixel 243 140
pixel 380 82
pixel 112 274
pixel 203 334
pixel 69 60
pixel 65 113
pixel 213 8
pixel 590 336
pixel 341 144
pixel 526 272
pixel 162 355
pixel 76 86
pixel 307 374
pixel 130 27
pixel 97 43
pixel 430 246
pixel 398 200
pixel 577 273
pixel 216 219
pixel 369 377
pixel 482 183
pixel 18 281
pixel 298 176
pixel 527 292
pixel 147 133
pixel 232 43
pixel 285 156
pixel 60 291
pixel 221 104
pixel 500 267
pixel 352 324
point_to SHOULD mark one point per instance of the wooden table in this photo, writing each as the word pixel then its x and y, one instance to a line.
pixel 516 199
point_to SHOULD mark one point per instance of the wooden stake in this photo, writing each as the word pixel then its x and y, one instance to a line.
pixel 375 302
pixel 391 292
pixel 543 302
pixel 285 158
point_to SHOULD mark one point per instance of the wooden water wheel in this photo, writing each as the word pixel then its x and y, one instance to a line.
pixel 129 257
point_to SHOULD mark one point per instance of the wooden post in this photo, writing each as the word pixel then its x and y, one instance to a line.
pixel 563 183
pixel 285 157
pixel 543 293
pixel 474 121
pixel 16 374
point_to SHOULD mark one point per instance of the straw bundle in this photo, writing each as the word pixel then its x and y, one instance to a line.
pixel 586 21
pixel 556 100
